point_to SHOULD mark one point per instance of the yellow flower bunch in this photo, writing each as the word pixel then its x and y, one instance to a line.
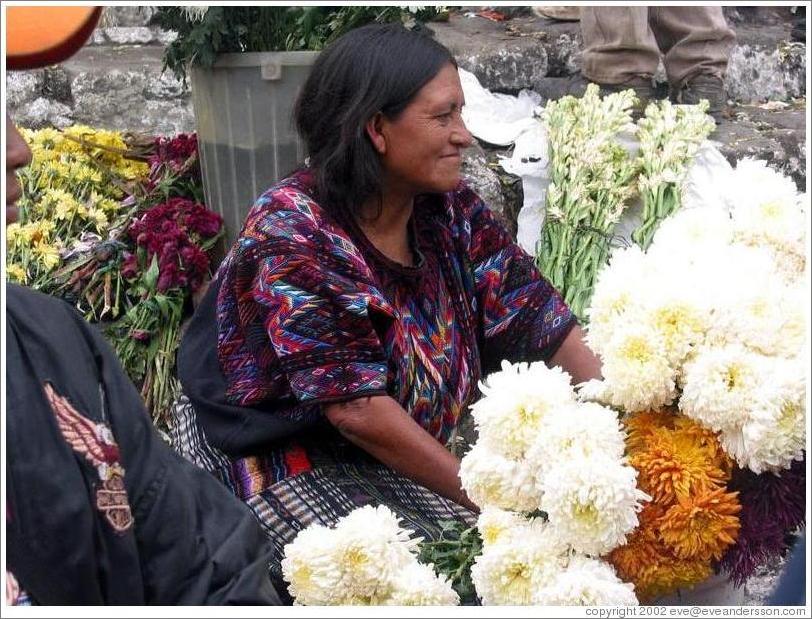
pixel 73 186
pixel 692 519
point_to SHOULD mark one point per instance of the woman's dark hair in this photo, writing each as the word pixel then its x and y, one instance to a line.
pixel 375 68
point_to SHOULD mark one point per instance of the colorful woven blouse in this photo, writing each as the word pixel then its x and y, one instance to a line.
pixel 308 311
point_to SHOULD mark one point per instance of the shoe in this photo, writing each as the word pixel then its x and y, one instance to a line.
pixel 558 13
pixel 642 86
pixel 575 85
pixel 707 87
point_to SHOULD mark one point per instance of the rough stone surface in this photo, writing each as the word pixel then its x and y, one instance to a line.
pixel 125 16
pixel 22 87
pixel 128 100
pixel 759 74
pixel 131 35
pixel 56 85
pixel 479 173
pixel 763 65
pixel 42 113
pixel 775 134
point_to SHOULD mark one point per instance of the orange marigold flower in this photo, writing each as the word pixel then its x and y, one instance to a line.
pixel 670 575
pixel 640 426
pixel 642 551
pixel 674 464
pixel 649 564
pixel 709 440
pixel 702 526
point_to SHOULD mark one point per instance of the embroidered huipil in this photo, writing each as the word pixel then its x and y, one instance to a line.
pixel 308 311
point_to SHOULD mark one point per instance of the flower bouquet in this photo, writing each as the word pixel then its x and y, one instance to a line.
pixel 702 341
pixel 113 223
pixel 366 559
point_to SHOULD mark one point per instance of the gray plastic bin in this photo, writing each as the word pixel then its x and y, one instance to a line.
pixel 244 114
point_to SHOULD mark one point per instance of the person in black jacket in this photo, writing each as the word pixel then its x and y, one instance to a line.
pixel 99 510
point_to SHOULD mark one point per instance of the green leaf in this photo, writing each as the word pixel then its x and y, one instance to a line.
pixel 152 273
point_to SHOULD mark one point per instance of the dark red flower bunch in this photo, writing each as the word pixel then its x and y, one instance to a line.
pixel 171 231
pixel 173 152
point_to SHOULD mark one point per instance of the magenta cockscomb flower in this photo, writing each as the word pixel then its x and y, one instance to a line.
pixel 772 506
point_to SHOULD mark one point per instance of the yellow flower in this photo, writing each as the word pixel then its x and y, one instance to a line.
pixel 14 234
pixel 16 273
pixel 98 217
pixel 702 526
pixel 47 255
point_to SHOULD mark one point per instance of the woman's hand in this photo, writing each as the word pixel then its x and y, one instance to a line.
pixel 382 428
pixel 575 357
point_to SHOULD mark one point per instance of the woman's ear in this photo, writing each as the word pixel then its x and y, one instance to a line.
pixel 374 129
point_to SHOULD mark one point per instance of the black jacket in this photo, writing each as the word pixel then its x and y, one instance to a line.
pixel 169 534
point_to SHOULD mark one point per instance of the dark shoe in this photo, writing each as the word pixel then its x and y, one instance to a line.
pixel 708 87
pixel 643 87
pixel 552 88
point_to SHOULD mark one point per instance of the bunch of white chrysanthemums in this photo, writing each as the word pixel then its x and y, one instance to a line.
pixel 366 559
pixel 713 318
pixel 539 449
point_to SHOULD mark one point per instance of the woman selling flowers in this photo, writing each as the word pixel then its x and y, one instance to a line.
pixel 348 327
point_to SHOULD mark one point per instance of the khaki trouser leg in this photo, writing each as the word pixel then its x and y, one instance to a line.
pixel 618 44
pixel 694 40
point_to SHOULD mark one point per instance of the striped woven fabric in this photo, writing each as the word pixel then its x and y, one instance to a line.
pixel 320 496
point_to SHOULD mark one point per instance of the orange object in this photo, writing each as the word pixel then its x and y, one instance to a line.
pixel 492 15
pixel 38 36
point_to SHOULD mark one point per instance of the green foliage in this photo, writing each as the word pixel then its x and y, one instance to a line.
pixel 453 555
pixel 205 33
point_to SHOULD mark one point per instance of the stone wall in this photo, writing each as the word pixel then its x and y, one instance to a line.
pixel 117 82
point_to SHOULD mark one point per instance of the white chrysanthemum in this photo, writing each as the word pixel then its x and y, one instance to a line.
pixel 636 369
pixel 724 272
pixel 586 582
pixel 593 391
pixel 578 432
pixel 514 402
pixel 308 567
pixel 499 526
pixel 771 442
pixel 418 585
pixel 491 479
pixel 766 208
pixel 767 317
pixel 508 574
pixel 617 295
pixel 689 233
pixel 722 388
pixel 593 503
pixel 680 318
pixel 369 551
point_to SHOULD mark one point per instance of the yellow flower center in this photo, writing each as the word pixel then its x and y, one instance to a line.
pixel 491 533
pixel 637 349
pixel 586 514
pixel 770 210
pixel 356 558
pixel 733 377
pixel 788 416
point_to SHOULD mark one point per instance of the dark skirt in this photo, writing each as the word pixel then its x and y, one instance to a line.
pixel 320 496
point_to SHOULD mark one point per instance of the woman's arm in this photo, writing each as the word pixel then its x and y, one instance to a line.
pixel 381 427
pixel 575 357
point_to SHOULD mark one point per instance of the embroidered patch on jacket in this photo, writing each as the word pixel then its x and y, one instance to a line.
pixel 96 443
pixel 15 596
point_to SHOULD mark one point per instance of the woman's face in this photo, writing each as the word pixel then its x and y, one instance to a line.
pixel 422 147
